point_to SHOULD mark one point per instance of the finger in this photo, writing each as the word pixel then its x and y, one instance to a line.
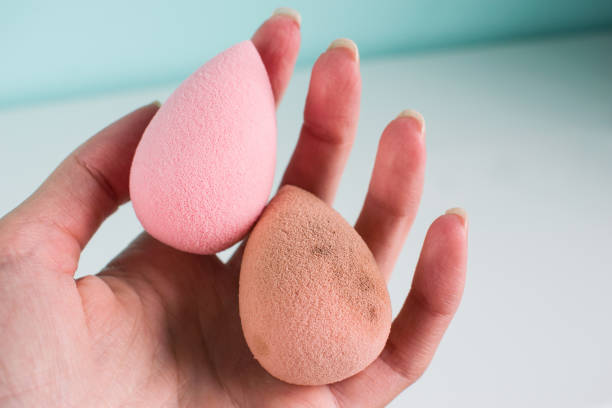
pixel 416 332
pixel 89 185
pixel 278 43
pixel 330 121
pixel 395 189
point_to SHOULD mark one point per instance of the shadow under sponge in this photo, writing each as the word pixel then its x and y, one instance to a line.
pixel 313 305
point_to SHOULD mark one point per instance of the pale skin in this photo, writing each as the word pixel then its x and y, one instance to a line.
pixel 160 328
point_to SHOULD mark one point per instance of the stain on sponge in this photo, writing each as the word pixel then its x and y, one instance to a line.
pixel 313 305
pixel 204 168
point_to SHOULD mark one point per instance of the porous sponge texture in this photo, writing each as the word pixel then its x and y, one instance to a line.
pixel 313 305
pixel 204 168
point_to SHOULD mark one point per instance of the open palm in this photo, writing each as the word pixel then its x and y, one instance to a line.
pixel 159 327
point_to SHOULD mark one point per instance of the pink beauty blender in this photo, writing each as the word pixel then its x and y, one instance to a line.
pixel 313 305
pixel 204 168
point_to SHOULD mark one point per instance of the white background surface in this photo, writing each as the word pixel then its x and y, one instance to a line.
pixel 521 136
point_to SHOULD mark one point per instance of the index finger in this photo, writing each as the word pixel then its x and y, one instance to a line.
pixel 278 41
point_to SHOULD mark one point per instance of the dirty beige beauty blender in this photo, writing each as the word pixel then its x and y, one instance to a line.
pixel 313 305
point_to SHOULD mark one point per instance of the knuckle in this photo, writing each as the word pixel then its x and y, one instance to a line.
pixel 408 367
pixel 14 245
pixel 37 243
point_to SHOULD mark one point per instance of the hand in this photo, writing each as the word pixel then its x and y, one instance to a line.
pixel 158 327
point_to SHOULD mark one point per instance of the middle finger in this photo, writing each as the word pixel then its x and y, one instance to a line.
pixel 330 122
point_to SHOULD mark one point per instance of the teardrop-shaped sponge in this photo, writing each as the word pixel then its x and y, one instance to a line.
pixel 313 305
pixel 204 168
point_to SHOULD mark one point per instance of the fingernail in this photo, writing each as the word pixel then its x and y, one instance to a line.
pixel 156 103
pixel 410 113
pixel 459 212
pixel 289 12
pixel 345 43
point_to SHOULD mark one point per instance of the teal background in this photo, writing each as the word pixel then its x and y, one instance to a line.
pixel 67 48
